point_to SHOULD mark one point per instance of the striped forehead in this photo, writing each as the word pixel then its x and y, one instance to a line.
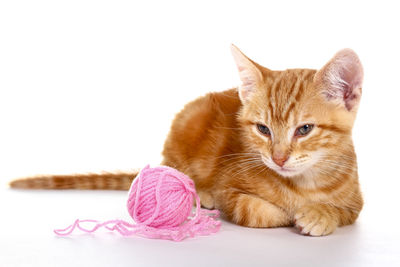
pixel 284 93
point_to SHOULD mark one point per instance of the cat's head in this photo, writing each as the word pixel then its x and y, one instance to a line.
pixel 299 118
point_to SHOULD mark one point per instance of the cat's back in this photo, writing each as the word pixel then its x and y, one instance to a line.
pixel 201 131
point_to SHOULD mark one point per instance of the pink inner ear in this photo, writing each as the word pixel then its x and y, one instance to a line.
pixel 352 89
pixel 343 77
pixel 250 78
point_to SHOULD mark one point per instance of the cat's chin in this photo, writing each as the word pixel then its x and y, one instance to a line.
pixel 283 171
pixel 286 172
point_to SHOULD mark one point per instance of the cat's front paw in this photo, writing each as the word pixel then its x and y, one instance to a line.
pixel 315 221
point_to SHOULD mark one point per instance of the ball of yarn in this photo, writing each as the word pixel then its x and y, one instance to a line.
pixel 161 197
pixel 160 202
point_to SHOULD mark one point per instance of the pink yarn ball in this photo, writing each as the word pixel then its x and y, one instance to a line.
pixel 161 197
pixel 160 202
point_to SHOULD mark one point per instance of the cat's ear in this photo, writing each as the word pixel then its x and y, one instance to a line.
pixel 341 79
pixel 249 73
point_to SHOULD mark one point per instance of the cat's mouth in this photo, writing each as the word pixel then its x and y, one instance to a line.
pixel 287 172
pixel 284 170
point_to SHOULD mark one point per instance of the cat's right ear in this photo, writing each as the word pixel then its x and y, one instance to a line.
pixel 249 73
pixel 341 79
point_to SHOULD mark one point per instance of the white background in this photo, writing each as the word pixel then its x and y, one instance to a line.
pixel 93 85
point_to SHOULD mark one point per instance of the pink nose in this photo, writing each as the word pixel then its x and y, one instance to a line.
pixel 280 160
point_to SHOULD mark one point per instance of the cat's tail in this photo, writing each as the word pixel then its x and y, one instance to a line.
pixel 91 181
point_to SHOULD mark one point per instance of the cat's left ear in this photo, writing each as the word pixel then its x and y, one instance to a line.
pixel 341 79
pixel 249 73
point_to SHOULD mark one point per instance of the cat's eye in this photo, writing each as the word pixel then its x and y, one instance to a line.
pixel 263 129
pixel 304 130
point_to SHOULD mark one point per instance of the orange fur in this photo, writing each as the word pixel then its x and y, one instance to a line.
pixel 90 181
pixel 215 141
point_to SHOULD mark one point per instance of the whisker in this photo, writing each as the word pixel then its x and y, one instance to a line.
pixel 338 164
pixel 248 168
pixel 242 165
pixel 238 154
pixel 235 161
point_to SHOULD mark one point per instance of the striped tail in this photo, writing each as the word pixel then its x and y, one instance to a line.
pixel 102 181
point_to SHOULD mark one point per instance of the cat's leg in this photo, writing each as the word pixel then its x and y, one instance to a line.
pixel 250 210
pixel 206 199
pixel 319 219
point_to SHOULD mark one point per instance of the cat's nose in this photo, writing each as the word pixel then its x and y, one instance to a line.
pixel 280 159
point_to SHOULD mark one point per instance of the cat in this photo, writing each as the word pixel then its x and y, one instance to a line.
pixel 276 151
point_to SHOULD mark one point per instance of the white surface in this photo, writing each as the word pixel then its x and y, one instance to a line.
pixel 27 239
pixel 93 85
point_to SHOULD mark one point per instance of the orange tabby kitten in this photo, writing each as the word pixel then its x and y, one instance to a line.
pixel 277 151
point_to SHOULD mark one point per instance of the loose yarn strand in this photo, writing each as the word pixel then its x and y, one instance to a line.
pixel 160 203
